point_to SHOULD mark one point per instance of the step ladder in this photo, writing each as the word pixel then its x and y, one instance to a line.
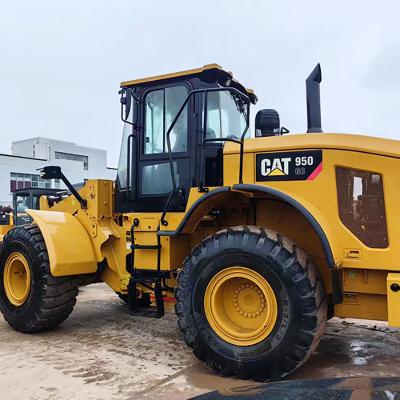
pixel 148 278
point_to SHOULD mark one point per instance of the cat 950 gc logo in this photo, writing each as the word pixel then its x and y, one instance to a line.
pixel 288 166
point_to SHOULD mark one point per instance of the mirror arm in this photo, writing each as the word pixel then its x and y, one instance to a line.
pixel 126 94
pixel 54 172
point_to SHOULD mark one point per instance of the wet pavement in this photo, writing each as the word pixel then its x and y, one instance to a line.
pixel 101 352
pixel 314 389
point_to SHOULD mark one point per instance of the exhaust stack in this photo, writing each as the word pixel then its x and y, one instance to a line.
pixel 313 101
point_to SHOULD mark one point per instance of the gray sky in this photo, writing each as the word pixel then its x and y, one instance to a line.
pixel 61 61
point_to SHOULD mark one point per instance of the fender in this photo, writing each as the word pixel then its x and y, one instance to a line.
pixel 68 244
pixel 318 221
pixel 201 205
pixel 321 225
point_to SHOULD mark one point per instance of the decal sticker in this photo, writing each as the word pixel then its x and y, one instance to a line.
pixel 288 166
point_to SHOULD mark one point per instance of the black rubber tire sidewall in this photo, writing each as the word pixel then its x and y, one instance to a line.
pixel 298 289
pixel 209 268
pixel 51 299
pixel 18 314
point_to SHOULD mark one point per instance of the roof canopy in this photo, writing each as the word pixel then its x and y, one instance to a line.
pixel 203 72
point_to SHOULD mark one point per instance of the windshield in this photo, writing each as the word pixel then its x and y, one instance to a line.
pixel 22 203
pixel 226 115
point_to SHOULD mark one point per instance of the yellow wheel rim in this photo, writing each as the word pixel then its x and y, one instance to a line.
pixel 240 306
pixel 16 279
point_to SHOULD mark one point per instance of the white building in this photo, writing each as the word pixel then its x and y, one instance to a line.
pixel 19 170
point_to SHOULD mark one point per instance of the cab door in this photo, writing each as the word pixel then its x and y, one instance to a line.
pixel 159 107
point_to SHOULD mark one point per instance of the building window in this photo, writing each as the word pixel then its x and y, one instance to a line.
pixel 74 157
pixel 26 181
pixel 362 205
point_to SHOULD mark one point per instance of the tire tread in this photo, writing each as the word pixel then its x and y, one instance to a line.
pixel 57 295
pixel 301 273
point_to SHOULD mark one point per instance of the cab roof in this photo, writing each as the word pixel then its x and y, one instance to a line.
pixel 201 72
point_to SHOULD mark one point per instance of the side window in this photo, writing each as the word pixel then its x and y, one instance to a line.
pixel 154 125
pixel 161 107
pixel 174 98
pixel 362 205
pixel 156 178
pixel 122 175
pixel 35 202
pixel 225 116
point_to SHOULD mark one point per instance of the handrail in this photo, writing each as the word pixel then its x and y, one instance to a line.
pixel 164 213
pixel 128 165
pixel 207 90
pixel 204 140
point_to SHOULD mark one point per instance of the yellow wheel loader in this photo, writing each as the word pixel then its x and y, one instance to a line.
pixel 261 239
pixel 23 199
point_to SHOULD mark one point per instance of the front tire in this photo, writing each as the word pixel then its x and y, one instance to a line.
pixel 31 299
pixel 251 303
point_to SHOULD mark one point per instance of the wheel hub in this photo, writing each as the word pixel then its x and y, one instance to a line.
pixel 16 279
pixel 249 301
pixel 240 306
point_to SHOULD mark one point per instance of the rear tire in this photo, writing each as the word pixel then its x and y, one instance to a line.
pixel 50 299
pixel 299 314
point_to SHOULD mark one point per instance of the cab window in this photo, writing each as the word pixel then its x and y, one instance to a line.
pixel 226 116
pixel 161 107
pixel 362 205
pixel 122 175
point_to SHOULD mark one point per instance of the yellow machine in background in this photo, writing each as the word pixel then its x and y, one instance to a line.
pixel 261 239
pixel 23 199
pixel 6 223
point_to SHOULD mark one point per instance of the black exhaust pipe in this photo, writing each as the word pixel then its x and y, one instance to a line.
pixel 313 101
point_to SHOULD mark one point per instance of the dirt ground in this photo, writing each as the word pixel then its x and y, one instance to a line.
pixel 101 352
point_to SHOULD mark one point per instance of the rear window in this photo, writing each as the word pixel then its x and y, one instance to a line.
pixel 362 205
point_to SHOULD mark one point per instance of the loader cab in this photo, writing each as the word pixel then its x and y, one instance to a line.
pixel 24 199
pixel 175 127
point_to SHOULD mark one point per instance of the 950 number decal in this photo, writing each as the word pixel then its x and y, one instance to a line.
pixel 288 166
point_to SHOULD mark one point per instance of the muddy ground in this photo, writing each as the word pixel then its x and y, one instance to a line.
pixel 101 352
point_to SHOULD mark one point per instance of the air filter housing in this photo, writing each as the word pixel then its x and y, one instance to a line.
pixel 267 123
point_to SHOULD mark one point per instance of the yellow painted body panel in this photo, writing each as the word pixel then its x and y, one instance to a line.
pixel 319 196
pixel 305 192
pixel 367 281
pixel 68 244
pixel 286 220
pixel 364 268
pixel 106 240
pixel 5 228
pixel 363 306
pixel 338 141
pixel 393 300
pixel 364 294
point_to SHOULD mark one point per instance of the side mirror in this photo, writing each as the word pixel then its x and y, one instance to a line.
pixel 54 172
pixel 126 101
pixel 127 95
pixel 51 172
